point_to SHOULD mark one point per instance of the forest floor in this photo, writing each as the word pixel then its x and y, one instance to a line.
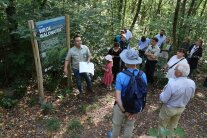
pixel 95 113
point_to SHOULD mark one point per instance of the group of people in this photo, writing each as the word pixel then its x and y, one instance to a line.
pixel 175 95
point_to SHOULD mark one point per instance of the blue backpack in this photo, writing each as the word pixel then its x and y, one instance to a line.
pixel 134 98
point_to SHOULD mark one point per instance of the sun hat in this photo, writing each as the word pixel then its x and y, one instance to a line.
pixel 109 58
pixel 130 56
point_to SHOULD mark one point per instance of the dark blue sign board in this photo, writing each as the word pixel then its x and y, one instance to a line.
pixel 51 36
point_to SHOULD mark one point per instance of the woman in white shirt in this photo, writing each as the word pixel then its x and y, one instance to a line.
pixel 174 60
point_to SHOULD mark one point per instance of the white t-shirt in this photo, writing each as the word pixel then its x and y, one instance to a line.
pixel 128 34
pixel 173 60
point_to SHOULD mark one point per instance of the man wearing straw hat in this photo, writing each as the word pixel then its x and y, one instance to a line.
pixel 131 59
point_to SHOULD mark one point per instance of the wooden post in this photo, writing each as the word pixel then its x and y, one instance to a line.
pixel 37 61
pixel 67 27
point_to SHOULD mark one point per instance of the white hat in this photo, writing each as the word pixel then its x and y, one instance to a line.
pixel 109 58
pixel 130 56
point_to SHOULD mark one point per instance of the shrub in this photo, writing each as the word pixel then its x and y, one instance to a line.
pixel 47 108
pixel 75 128
pixel 7 102
pixel 52 124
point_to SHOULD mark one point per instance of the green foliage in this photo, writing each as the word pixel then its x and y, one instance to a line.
pixel 7 102
pixel 20 89
pixel 52 124
pixel 75 128
pixel 47 108
pixel 177 132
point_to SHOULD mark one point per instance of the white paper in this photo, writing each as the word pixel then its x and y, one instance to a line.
pixel 85 67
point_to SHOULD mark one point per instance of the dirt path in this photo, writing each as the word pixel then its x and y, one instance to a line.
pixel 95 113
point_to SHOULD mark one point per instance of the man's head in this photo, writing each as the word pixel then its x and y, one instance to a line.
pixel 122 32
pixel 162 32
pixel 143 38
pixel 123 37
pixel 125 30
pixel 182 70
pixel 168 40
pixel 154 41
pixel 77 40
pixel 116 45
pixel 199 42
pixel 130 57
pixel 181 53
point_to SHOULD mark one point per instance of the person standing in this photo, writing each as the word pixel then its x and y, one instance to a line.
pixel 108 76
pixel 161 37
pixel 78 53
pixel 165 49
pixel 118 37
pixel 120 115
pixel 124 43
pixel 128 34
pixel 142 45
pixel 195 53
pixel 186 43
pixel 152 54
pixel 175 96
pixel 179 58
pixel 115 52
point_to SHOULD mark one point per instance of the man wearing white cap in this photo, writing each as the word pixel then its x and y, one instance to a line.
pixel 131 59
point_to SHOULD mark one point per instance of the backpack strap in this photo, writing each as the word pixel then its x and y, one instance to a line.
pixel 127 72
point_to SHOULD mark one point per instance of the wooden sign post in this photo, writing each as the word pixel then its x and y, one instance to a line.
pixel 37 61
pixel 67 26
pixel 51 34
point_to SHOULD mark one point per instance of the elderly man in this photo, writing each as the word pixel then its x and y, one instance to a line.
pixel 131 59
pixel 175 97
pixel 78 53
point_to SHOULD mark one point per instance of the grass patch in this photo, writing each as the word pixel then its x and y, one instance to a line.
pixel 47 108
pixel 75 128
pixel 52 124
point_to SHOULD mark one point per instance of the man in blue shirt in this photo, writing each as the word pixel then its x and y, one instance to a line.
pixel 161 37
pixel 131 59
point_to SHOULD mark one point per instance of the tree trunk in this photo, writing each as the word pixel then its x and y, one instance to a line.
pixel 121 2
pixel 124 14
pixel 191 8
pixel 136 15
pixel 12 23
pixel 159 7
pixel 134 3
pixel 175 24
pixel 204 7
pixel 196 7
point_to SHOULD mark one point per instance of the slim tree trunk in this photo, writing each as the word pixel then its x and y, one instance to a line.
pixel 136 15
pixel 159 7
pixel 124 13
pixel 175 24
pixel 121 3
pixel 191 8
pixel 12 23
pixel 204 7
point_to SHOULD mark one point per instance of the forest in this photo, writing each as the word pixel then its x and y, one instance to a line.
pixel 63 114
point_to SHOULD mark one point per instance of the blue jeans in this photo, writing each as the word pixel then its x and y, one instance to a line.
pixel 78 77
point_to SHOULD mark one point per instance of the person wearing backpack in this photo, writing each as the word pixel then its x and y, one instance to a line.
pixel 130 95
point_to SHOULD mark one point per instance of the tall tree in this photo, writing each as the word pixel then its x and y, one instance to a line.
pixel 175 21
pixel 204 7
pixel 124 13
pixel 136 15
pixel 159 7
pixel 191 8
pixel 120 9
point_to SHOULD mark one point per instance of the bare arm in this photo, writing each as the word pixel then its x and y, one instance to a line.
pixel 119 101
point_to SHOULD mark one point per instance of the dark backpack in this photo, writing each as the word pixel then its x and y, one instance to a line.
pixel 134 98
